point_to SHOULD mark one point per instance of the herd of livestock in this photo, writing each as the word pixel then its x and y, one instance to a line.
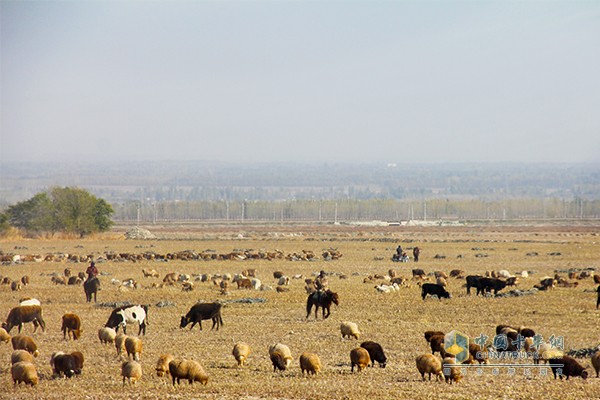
pixel 446 366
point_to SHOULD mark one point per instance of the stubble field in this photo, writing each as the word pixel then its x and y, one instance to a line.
pixel 395 320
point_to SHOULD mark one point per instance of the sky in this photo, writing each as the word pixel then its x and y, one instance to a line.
pixel 300 81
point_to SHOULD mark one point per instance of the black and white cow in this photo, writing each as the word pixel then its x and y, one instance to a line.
pixel 121 316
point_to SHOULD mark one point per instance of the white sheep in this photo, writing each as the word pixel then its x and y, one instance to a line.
pixel 545 352
pixel 349 329
pixel 131 370
pixel 281 356
pixel 106 335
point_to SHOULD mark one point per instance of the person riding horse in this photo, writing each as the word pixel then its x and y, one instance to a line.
pixel 321 284
pixel 92 271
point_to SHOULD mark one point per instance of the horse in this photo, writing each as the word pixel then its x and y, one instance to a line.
pixel 321 299
pixel 91 287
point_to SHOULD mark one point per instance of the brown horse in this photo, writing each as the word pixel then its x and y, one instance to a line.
pixel 323 300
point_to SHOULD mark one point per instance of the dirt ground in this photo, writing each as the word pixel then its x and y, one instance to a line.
pixel 395 320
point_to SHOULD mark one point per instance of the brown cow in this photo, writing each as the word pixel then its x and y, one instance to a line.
pixel 22 314
pixel 71 325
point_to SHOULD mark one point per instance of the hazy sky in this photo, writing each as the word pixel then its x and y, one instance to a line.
pixel 318 81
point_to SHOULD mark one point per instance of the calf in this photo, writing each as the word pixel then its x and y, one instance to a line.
pixel 67 364
pixel 201 311
pixel 121 316
pixel 472 281
pixel 22 314
pixel 434 289
pixel 489 284
pixel 71 325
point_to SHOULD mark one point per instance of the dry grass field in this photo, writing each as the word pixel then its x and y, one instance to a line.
pixel 395 320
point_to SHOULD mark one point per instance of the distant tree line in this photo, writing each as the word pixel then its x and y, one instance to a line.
pixel 356 210
pixel 68 210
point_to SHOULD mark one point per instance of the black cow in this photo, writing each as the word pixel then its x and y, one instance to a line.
pixel 201 311
pixel 375 353
pixel 434 289
pixel 91 287
pixel 488 284
pixel 472 281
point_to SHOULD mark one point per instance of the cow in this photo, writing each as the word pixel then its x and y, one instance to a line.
pixel 123 315
pixel 434 289
pixel 473 281
pixel 22 314
pixel 71 325
pixel 201 311
pixel 91 287
pixel 489 284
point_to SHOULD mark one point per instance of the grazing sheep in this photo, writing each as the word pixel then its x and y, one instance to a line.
pixel 436 342
pixel 310 363
pixel 596 362
pixel 360 358
pixel 4 336
pixel 20 355
pixel 570 367
pixel 477 353
pixel 71 326
pixel 162 365
pixel 349 329
pixel 131 370
pixel 281 356
pixel 150 273
pixel 133 345
pixel 545 352
pixel 24 372
pixel 16 286
pixel 451 373
pixel 120 343
pixel 25 343
pixel 187 369
pixel 375 353
pixel 429 334
pixel 25 280
pixel 106 335
pixel 240 352
pixel 429 364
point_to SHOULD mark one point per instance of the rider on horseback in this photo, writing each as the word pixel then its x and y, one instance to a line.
pixel 91 271
pixel 321 284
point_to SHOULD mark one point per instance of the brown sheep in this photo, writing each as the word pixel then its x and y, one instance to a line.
pixel 120 343
pixel 429 334
pixel 16 286
pixel 134 346
pixel 451 373
pixel 24 372
pixel 71 326
pixel 359 357
pixel 25 280
pixel 4 336
pixel 25 343
pixel 162 365
pixel 21 355
pixel 187 369
pixel 429 364
pixel 310 363
pixel 596 363
pixel 240 352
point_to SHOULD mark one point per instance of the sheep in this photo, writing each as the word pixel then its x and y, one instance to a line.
pixel 26 343
pixel 596 362
pixel 120 343
pixel 281 356
pixel 25 280
pixel 187 286
pixel 284 280
pixel 545 352
pixel 24 372
pixel 375 353
pixel 359 357
pixel 131 370
pixel 16 286
pixel 187 369
pixel 451 373
pixel 71 325
pixel 567 366
pixel 441 281
pixel 133 345
pixel 477 353
pixel 349 329
pixel 20 355
pixel 240 352
pixel 106 335
pixel 4 336
pixel 150 273
pixel 436 342
pixel 429 364
pixel 429 334
pixel 162 365
pixel 310 363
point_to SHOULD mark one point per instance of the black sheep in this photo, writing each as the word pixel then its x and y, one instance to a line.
pixel 567 366
pixel 375 352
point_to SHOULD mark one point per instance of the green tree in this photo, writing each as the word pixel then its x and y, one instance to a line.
pixel 70 210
